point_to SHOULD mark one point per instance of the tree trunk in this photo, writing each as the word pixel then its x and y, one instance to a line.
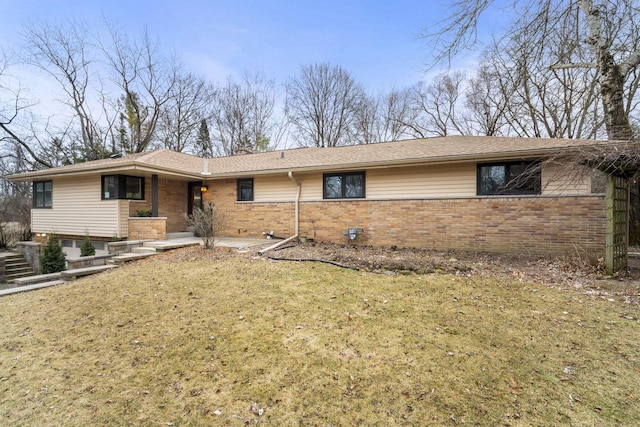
pixel 612 76
pixel 612 89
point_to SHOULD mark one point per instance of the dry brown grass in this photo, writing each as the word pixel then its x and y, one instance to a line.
pixel 239 340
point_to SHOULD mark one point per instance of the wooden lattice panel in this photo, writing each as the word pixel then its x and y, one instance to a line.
pixel 617 223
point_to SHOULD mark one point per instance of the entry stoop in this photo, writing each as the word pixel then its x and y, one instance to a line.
pixel 179 235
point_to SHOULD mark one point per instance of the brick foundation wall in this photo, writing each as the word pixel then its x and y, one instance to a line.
pixel 147 228
pixel 535 225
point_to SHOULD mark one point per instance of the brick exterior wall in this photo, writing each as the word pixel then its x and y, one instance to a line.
pixel 249 219
pixel 172 203
pixel 535 225
pixel 147 228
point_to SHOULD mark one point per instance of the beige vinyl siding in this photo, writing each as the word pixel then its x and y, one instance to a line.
pixel 311 186
pixel 437 181
pixel 77 209
pixel 415 182
pixel 123 218
pixel 273 188
pixel 556 180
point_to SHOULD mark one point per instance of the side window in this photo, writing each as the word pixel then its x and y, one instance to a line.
pixel 509 178
pixel 343 185
pixel 43 194
pixel 122 187
pixel 245 190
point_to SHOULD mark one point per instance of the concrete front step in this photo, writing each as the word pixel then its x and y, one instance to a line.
pixel 179 235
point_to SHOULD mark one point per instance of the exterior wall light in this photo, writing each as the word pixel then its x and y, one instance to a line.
pixel 204 188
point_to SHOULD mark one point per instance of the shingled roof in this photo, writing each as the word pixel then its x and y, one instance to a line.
pixel 448 149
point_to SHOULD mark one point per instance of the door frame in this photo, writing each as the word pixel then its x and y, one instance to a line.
pixel 190 199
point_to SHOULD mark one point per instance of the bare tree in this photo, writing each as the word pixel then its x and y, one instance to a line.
pixel 322 104
pixel 436 107
pixel 63 52
pixel 14 124
pixel 514 92
pixel 383 117
pixel 182 115
pixel 15 198
pixel 610 29
pixel 242 115
pixel 487 101
pixel 146 79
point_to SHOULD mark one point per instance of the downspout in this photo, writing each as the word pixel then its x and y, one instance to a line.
pixel 297 218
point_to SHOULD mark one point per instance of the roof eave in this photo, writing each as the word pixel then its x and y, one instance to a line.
pixel 121 167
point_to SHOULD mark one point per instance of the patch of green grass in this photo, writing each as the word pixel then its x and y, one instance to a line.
pixel 237 340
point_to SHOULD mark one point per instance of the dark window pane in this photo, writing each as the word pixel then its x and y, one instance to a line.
pixel 109 187
pixel 333 187
pixel 133 188
pixel 48 198
pixel 492 179
pixel 354 186
pixel 516 170
pixel 245 190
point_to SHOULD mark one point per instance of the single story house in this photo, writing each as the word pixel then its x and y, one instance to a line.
pixel 491 194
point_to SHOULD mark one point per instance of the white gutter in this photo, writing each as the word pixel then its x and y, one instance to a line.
pixel 297 218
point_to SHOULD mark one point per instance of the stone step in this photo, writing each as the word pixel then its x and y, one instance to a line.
pixel 31 287
pixel 129 256
pixel 144 250
pixel 15 261
pixel 11 278
pixel 79 272
pixel 39 278
pixel 161 247
pixel 18 268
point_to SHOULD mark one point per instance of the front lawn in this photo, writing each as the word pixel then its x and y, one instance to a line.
pixel 238 340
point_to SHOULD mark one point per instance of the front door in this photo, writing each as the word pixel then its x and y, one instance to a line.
pixel 195 197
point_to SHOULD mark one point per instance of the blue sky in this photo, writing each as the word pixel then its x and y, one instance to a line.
pixel 375 40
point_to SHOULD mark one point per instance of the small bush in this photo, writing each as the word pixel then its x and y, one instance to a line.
pixel 87 248
pixel 143 212
pixel 206 223
pixel 52 258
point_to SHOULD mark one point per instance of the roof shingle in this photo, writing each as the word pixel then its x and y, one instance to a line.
pixel 417 151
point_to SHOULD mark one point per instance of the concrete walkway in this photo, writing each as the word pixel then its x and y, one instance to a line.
pixel 238 243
